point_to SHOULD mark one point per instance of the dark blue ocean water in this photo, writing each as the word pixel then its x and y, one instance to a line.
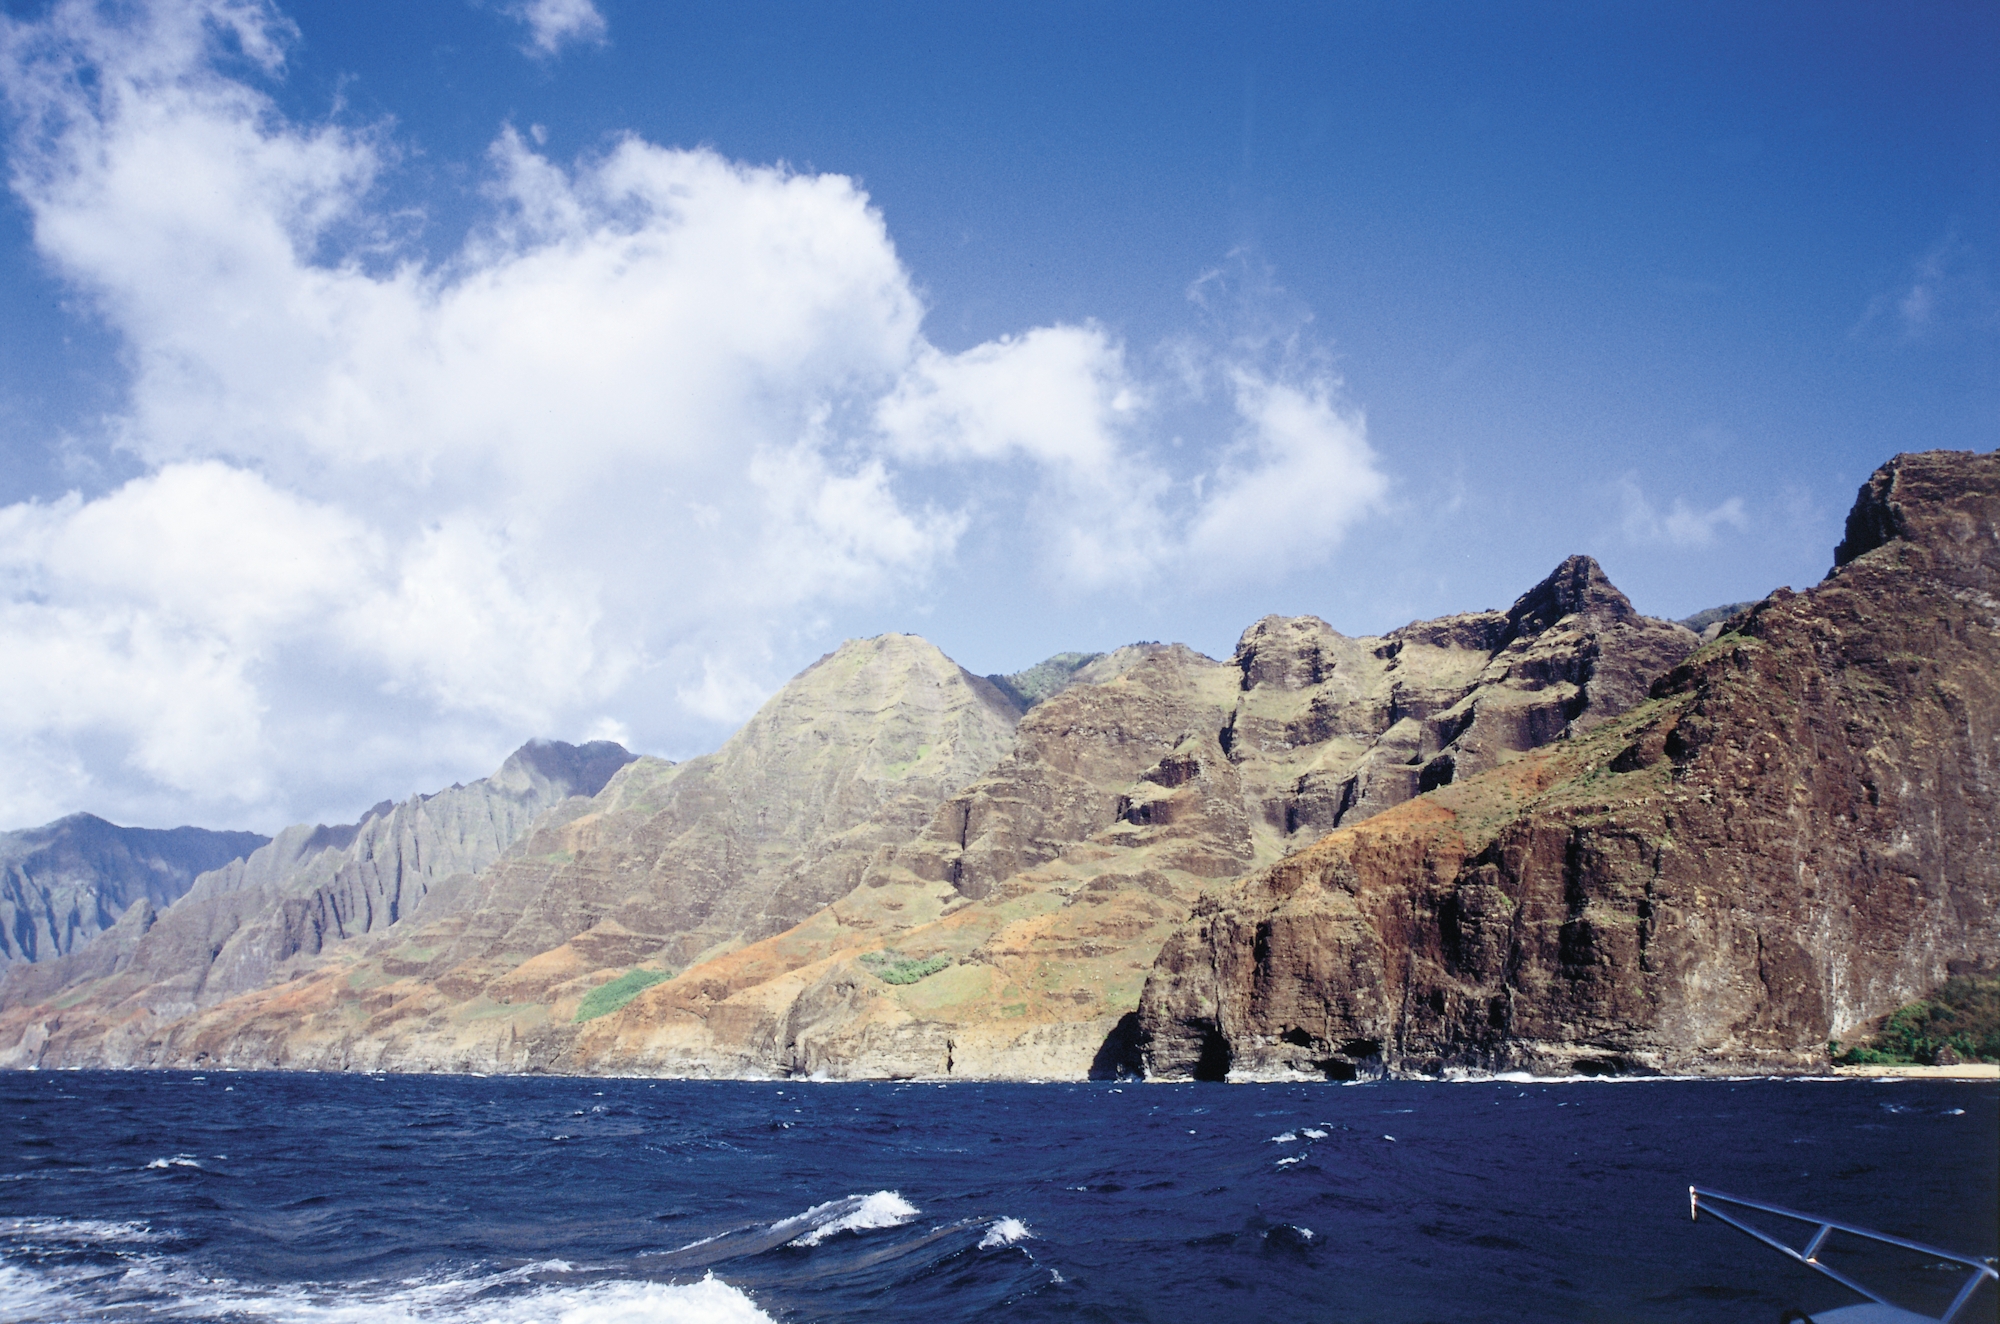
pixel 454 1199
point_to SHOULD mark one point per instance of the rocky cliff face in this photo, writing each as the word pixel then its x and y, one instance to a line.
pixel 1050 883
pixel 245 925
pixel 882 812
pixel 65 882
pixel 1793 833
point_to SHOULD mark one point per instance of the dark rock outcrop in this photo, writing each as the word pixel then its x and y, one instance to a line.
pixel 1795 832
pixel 1320 728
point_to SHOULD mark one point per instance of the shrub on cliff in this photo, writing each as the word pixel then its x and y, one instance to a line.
pixel 1959 1021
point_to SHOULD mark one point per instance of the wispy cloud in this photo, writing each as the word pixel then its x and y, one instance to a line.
pixel 1680 524
pixel 1946 288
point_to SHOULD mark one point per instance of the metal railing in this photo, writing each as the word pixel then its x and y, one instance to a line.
pixel 1701 1198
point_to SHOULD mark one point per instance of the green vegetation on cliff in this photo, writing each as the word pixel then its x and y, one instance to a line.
pixel 895 968
pixel 1050 676
pixel 1960 1021
pixel 607 998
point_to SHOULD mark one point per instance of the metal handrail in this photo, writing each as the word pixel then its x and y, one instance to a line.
pixel 1981 1269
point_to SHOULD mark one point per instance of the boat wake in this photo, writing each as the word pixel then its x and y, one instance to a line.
pixel 66 1270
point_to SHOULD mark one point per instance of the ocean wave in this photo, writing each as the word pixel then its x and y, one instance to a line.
pixel 853 1213
pixel 857 1213
pixel 1005 1232
pixel 46 1233
pixel 1289 1236
pixel 177 1161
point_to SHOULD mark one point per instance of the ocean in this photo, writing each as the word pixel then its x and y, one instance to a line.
pixel 322 1198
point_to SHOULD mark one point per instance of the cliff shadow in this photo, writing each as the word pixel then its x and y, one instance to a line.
pixel 1118 1056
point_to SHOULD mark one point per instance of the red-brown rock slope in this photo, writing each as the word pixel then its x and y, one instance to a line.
pixel 1793 834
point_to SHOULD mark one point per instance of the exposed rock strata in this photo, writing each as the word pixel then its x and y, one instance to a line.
pixel 65 882
pixel 1052 881
pixel 1794 834
pixel 886 799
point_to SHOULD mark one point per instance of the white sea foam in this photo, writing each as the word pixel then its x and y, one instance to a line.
pixel 152 1287
pixel 1312 1134
pixel 857 1213
pixel 28 1296
pixel 1285 1139
pixel 710 1301
pixel 177 1161
pixel 46 1232
pixel 1005 1232
pixel 147 1284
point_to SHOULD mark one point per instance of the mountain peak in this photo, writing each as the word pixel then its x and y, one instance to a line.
pixel 571 769
pixel 1943 500
pixel 1576 587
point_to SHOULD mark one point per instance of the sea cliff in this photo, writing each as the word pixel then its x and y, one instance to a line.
pixel 1563 836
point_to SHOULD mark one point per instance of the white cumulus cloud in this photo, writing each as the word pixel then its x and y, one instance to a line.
pixel 602 469
pixel 552 24
pixel 1302 473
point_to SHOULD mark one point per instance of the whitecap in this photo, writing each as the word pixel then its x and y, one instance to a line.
pixel 1005 1232
pixel 177 1161
pixel 1285 1139
pixel 857 1213
pixel 1312 1134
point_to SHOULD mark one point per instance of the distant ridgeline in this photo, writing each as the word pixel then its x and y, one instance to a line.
pixel 1559 837
pixel 64 883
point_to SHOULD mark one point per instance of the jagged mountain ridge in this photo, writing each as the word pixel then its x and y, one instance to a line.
pixel 241 926
pixel 1794 834
pixel 1053 880
pixel 1212 769
pixel 666 861
pixel 65 882
pixel 1045 873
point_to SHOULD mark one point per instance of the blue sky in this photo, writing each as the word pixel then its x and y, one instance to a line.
pixel 383 384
